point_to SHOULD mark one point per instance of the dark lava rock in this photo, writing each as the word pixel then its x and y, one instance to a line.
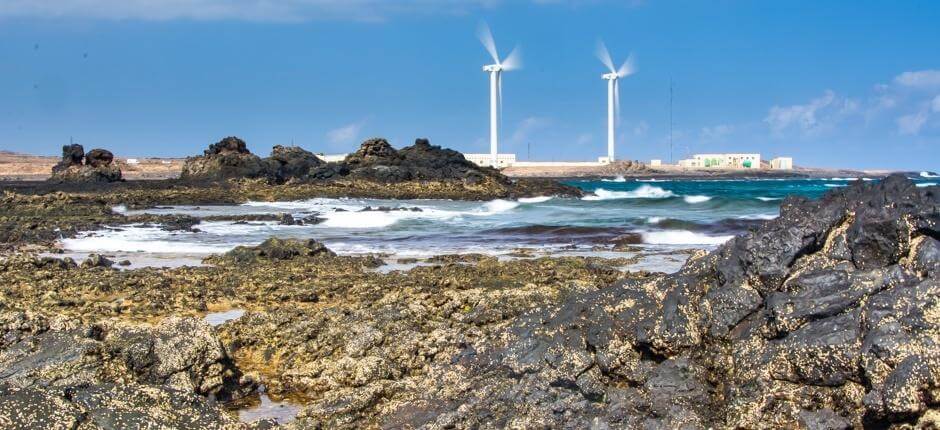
pixel 98 166
pixel 826 317
pixel 376 160
pixel 291 162
pixel 226 159
pixel 99 158
pixel 279 249
pixel 60 373
pixel 97 260
pixel 72 155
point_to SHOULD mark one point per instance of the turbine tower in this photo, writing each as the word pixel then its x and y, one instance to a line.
pixel 512 62
pixel 613 93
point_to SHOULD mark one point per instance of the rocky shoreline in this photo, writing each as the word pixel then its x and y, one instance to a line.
pixel 827 317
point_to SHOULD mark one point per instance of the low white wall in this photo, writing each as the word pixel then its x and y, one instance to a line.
pixel 557 164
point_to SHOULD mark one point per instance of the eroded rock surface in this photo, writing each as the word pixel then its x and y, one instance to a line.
pixel 827 317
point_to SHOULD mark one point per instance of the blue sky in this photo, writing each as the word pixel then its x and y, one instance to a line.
pixel 833 84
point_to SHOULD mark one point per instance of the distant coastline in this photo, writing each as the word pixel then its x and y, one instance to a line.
pixel 26 167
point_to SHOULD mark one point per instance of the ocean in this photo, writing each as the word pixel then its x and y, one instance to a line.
pixel 651 214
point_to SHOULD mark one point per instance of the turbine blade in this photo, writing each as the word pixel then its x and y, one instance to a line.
pixel 604 56
pixel 617 101
pixel 499 98
pixel 628 68
pixel 514 60
pixel 486 38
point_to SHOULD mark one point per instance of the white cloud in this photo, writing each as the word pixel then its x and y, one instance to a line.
pixel 716 132
pixel 525 128
pixel 919 79
pixel 912 123
pixel 247 10
pixel 243 10
pixel 820 114
pixel 345 134
pixel 641 128
pixel 583 139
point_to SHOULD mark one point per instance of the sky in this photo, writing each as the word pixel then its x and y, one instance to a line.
pixel 852 84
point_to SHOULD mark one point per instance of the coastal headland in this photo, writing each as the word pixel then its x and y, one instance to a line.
pixel 823 317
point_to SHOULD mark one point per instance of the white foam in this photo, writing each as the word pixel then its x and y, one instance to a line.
pixel 539 199
pixel 696 199
pixel 844 179
pixel 682 237
pixel 768 199
pixel 138 239
pixel 619 178
pixel 643 192
pixel 120 209
pixel 654 219
pixel 498 206
pixel 928 175
pixel 926 184
pixel 759 216
pixel 834 185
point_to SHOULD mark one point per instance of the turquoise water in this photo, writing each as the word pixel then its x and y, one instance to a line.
pixel 653 213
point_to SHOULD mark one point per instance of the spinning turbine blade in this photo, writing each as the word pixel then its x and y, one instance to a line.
pixel 617 101
pixel 604 56
pixel 499 97
pixel 514 60
pixel 628 68
pixel 486 38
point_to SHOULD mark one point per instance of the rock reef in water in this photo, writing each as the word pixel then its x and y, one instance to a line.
pixel 826 317
pixel 291 162
pixel 96 166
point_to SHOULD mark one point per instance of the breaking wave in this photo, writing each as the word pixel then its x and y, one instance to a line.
pixel 643 192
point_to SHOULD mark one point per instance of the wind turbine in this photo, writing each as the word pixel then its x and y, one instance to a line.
pixel 512 62
pixel 613 92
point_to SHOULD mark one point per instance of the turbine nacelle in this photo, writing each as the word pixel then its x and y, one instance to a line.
pixel 610 76
pixel 492 68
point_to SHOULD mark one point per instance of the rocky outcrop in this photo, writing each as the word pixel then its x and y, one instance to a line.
pixel 98 166
pixel 278 249
pixel 226 159
pixel 291 162
pixel 376 160
pixel 826 317
pixel 57 372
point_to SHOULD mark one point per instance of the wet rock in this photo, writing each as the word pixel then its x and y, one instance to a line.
pixel 97 260
pixel 279 249
pixel 226 159
pixel 852 334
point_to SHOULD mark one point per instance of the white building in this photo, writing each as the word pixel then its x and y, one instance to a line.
pixel 502 160
pixel 331 158
pixel 133 161
pixel 722 161
pixel 781 163
pixel 656 163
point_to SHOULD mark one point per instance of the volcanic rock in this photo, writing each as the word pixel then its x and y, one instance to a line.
pixel 99 158
pixel 72 155
pixel 376 160
pixel 226 159
pixel 279 249
pixel 824 317
pixel 291 162
pixel 98 166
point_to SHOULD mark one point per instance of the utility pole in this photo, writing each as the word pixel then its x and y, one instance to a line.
pixel 528 151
